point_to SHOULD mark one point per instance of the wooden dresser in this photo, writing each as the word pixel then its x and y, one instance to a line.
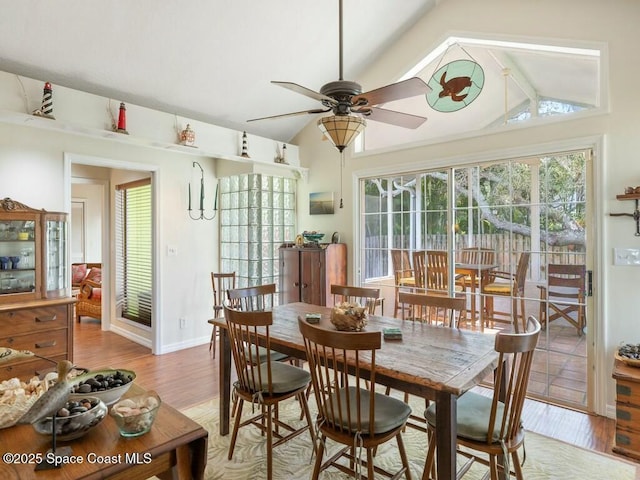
pixel 627 440
pixel 307 273
pixel 44 327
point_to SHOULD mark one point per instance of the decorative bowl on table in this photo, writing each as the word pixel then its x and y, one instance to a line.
pixel 75 419
pixel 135 415
pixel 629 354
pixel 349 317
pixel 313 237
pixel 108 384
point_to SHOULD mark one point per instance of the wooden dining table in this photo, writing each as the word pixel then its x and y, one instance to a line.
pixel 432 362
pixel 477 274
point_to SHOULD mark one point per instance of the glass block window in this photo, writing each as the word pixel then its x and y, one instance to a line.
pixel 257 215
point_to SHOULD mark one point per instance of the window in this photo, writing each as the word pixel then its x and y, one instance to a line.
pixel 134 251
pixel 257 216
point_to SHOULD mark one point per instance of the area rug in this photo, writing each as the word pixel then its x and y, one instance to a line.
pixel 546 458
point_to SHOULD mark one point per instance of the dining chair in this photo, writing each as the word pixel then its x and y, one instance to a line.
pixel 256 298
pixel 364 296
pixel 507 284
pixel 403 274
pixel 490 425
pixel 432 272
pixel 563 297
pixel 264 383
pixel 433 309
pixel 220 282
pixel 357 418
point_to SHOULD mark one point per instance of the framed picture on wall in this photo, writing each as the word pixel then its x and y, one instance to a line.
pixel 321 203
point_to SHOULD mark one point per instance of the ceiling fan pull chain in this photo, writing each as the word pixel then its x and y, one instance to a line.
pixel 341 169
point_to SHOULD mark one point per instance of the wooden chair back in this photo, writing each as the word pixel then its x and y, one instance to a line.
pixel 401 262
pixel 564 295
pixel 256 298
pixel 516 352
pixel 419 267
pixel 521 274
pixel 566 281
pixel 364 296
pixel 477 256
pixel 433 309
pixel 220 283
pixel 247 330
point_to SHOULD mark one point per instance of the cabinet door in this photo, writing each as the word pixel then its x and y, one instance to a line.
pixel 289 275
pixel 312 276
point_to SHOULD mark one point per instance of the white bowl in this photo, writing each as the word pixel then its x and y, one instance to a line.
pixel 108 394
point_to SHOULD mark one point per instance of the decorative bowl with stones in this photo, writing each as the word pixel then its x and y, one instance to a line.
pixel 107 384
pixel 75 419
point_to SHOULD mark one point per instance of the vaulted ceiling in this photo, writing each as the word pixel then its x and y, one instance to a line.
pixel 212 60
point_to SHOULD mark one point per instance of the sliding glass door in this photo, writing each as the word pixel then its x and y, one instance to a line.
pixel 529 210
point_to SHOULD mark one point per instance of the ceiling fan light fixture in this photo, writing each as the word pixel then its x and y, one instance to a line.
pixel 341 129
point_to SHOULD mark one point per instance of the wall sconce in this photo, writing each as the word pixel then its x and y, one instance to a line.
pixel 201 204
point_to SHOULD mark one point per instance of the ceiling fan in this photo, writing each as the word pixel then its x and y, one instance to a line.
pixel 344 97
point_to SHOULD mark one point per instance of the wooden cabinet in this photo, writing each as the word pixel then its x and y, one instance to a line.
pixel 307 273
pixel 33 253
pixel 36 309
pixel 627 440
pixel 44 327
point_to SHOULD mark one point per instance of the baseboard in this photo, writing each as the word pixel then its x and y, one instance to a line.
pixel 174 347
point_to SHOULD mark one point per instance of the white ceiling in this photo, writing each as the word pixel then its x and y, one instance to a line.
pixel 212 60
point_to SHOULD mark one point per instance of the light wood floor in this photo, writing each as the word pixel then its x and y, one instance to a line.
pixel 190 376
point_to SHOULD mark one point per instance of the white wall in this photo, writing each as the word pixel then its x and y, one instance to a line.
pixel 616 167
pixel 33 152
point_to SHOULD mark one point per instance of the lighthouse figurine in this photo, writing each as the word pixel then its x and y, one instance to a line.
pixel 46 110
pixel 122 120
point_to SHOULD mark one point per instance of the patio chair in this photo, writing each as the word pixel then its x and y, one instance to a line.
pixel 364 296
pixel 265 383
pixel 506 284
pixel 490 425
pixel 432 272
pixel 358 418
pixel 563 297
pixel 220 283
pixel 403 274
pixel 476 256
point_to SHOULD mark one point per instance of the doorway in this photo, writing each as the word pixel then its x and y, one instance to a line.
pixel 80 168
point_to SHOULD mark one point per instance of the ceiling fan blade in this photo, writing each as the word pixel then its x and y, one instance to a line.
pixel 392 117
pixel 292 114
pixel 395 91
pixel 305 91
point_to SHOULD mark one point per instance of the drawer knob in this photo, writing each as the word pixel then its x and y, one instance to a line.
pixel 49 343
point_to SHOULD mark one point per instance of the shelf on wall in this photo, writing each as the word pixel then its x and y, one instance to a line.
pixel 23 119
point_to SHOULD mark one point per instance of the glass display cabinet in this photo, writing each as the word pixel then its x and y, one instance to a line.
pixel 33 253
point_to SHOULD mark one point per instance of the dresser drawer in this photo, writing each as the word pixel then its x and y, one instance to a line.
pixel 628 417
pixel 25 370
pixel 46 344
pixel 628 392
pixel 32 319
pixel 627 442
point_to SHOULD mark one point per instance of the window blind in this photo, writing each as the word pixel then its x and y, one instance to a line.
pixel 134 251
